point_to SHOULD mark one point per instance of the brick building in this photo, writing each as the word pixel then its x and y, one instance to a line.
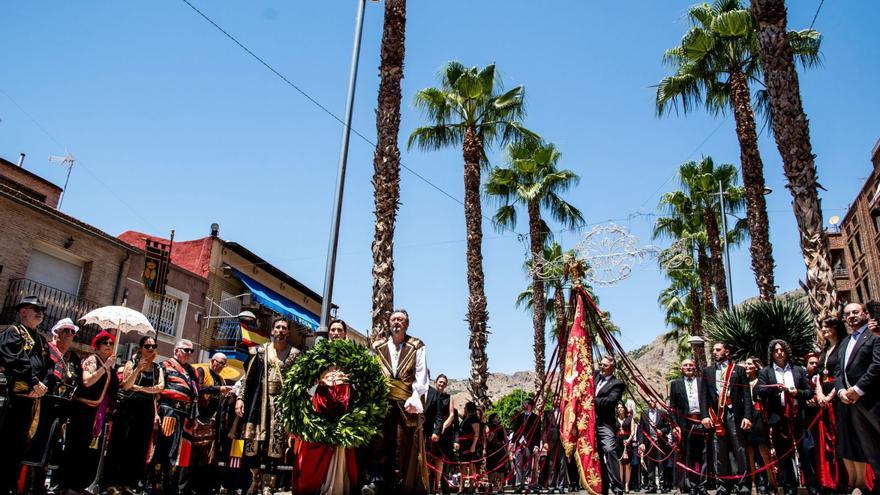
pixel 855 248
pixel 72 266
pixel 236 279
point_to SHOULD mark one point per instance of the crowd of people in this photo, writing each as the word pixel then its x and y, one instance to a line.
pixel 79 424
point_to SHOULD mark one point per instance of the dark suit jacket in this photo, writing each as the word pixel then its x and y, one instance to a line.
pixel 551 427
pixel 738 391
pixel 605 401
pixel 863 369
pixel 770 395
pixel 527 427
pixel 431 403
pixel 678 401
pixel 660 429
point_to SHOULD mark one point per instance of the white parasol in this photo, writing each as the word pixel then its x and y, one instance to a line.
pixel 119 317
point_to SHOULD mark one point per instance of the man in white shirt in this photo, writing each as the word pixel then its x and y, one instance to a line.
pixel 785 390
pixel 402 444
pixel 857 381
pixel 687 409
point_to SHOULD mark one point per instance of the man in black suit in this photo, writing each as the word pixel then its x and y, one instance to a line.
pixel 608 393
pixel 526 427
pixel 552 459
pixel 784 390
pixel 729 407
pixel 687 408
pixel 857 381
pixel 653 429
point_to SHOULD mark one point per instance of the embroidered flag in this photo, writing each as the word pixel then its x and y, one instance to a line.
pixel 578 414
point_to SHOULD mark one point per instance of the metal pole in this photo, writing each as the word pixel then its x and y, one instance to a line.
pixel 340 180
pixel 726 245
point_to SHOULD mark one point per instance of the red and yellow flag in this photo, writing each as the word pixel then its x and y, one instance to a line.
pixel 578 415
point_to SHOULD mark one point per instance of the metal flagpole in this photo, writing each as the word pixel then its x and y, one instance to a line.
pixel 726 245
pixel 340 179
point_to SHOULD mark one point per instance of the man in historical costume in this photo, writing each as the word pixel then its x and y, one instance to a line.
pixel 266 441
pixel 525 438
pixel 729 406
pixel 177 413
pixel 653 429
pixel 857 382
pixel 64 373
pixel 401 466
pixel 609 390
pixel 784 390
pixel 206 434
pixel 687 407
pixel 24 363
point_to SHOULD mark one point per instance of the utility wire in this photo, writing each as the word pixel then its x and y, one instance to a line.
pixel 316 102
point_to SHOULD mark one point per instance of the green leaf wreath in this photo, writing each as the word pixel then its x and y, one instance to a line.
pixel 366 407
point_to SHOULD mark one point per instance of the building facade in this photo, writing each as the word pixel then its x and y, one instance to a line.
pixel 855 247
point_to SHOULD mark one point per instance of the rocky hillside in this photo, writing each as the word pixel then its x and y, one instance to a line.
pixel 654 360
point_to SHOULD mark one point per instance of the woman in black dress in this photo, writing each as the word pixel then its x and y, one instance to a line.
pixel 758 437
pixel 99 383
pixel 831 474
pixel 440 442
pixel 468 438
pixel 496 453
pixel 142 381
pixel 623 424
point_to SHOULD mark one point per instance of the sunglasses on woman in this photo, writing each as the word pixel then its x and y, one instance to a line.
pixel 150 346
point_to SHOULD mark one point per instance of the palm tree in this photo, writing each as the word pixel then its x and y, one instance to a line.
pixel 792 132
pixel 701 181
pixel 386 164
pixel 532 180
pixel 715 64
pixel 683 308
pixel 683 222
pixel 750 328
pixel 471 109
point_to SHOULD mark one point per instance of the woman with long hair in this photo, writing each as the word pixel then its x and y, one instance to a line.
pixel 758 437
pixel 468 440
pixel 632 445
pixel 624 431
pixel 497 458
pixel 832 477
pixel 142 382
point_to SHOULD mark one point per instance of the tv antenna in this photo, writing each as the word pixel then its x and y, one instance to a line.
pixel 834 221
pixel 66 161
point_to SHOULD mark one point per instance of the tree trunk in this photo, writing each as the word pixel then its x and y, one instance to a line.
pixel 705 274
pixel 792 132
pixel 696 328
pixel 386 165
pixel 536 243
pixel 753 180
pixel 717 266
pixel 477 314
pixel 561 322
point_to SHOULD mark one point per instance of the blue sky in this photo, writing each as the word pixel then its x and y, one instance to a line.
pixel 174 126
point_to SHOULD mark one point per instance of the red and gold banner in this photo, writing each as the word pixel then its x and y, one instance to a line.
pixel 578 416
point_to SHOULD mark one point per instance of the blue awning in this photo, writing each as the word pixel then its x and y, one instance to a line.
pixel 278 303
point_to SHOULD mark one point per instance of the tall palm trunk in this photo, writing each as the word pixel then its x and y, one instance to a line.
pixel 753 180
pixel 705 274
pixel 561 321
pixel 696 328
pixel 477 314
pixel 536 243
pixel 792 132
pixel 718 277
pixel 386 164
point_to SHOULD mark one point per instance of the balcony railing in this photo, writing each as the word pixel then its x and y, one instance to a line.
pixel 59 304
pixel 841 273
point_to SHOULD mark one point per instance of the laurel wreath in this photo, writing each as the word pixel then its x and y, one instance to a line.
pixel 367 405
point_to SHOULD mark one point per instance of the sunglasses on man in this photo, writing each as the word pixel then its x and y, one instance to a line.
pixel 188 351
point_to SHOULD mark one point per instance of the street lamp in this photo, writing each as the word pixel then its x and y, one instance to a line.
pixel 330 271
pixel 720 194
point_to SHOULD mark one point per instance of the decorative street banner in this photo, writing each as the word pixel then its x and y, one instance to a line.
pixel 578 416
pixel 157 260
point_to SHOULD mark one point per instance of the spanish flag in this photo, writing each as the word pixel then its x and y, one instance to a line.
pixel 250 336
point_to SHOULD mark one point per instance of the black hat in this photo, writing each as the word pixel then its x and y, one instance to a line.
pixel 30 301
